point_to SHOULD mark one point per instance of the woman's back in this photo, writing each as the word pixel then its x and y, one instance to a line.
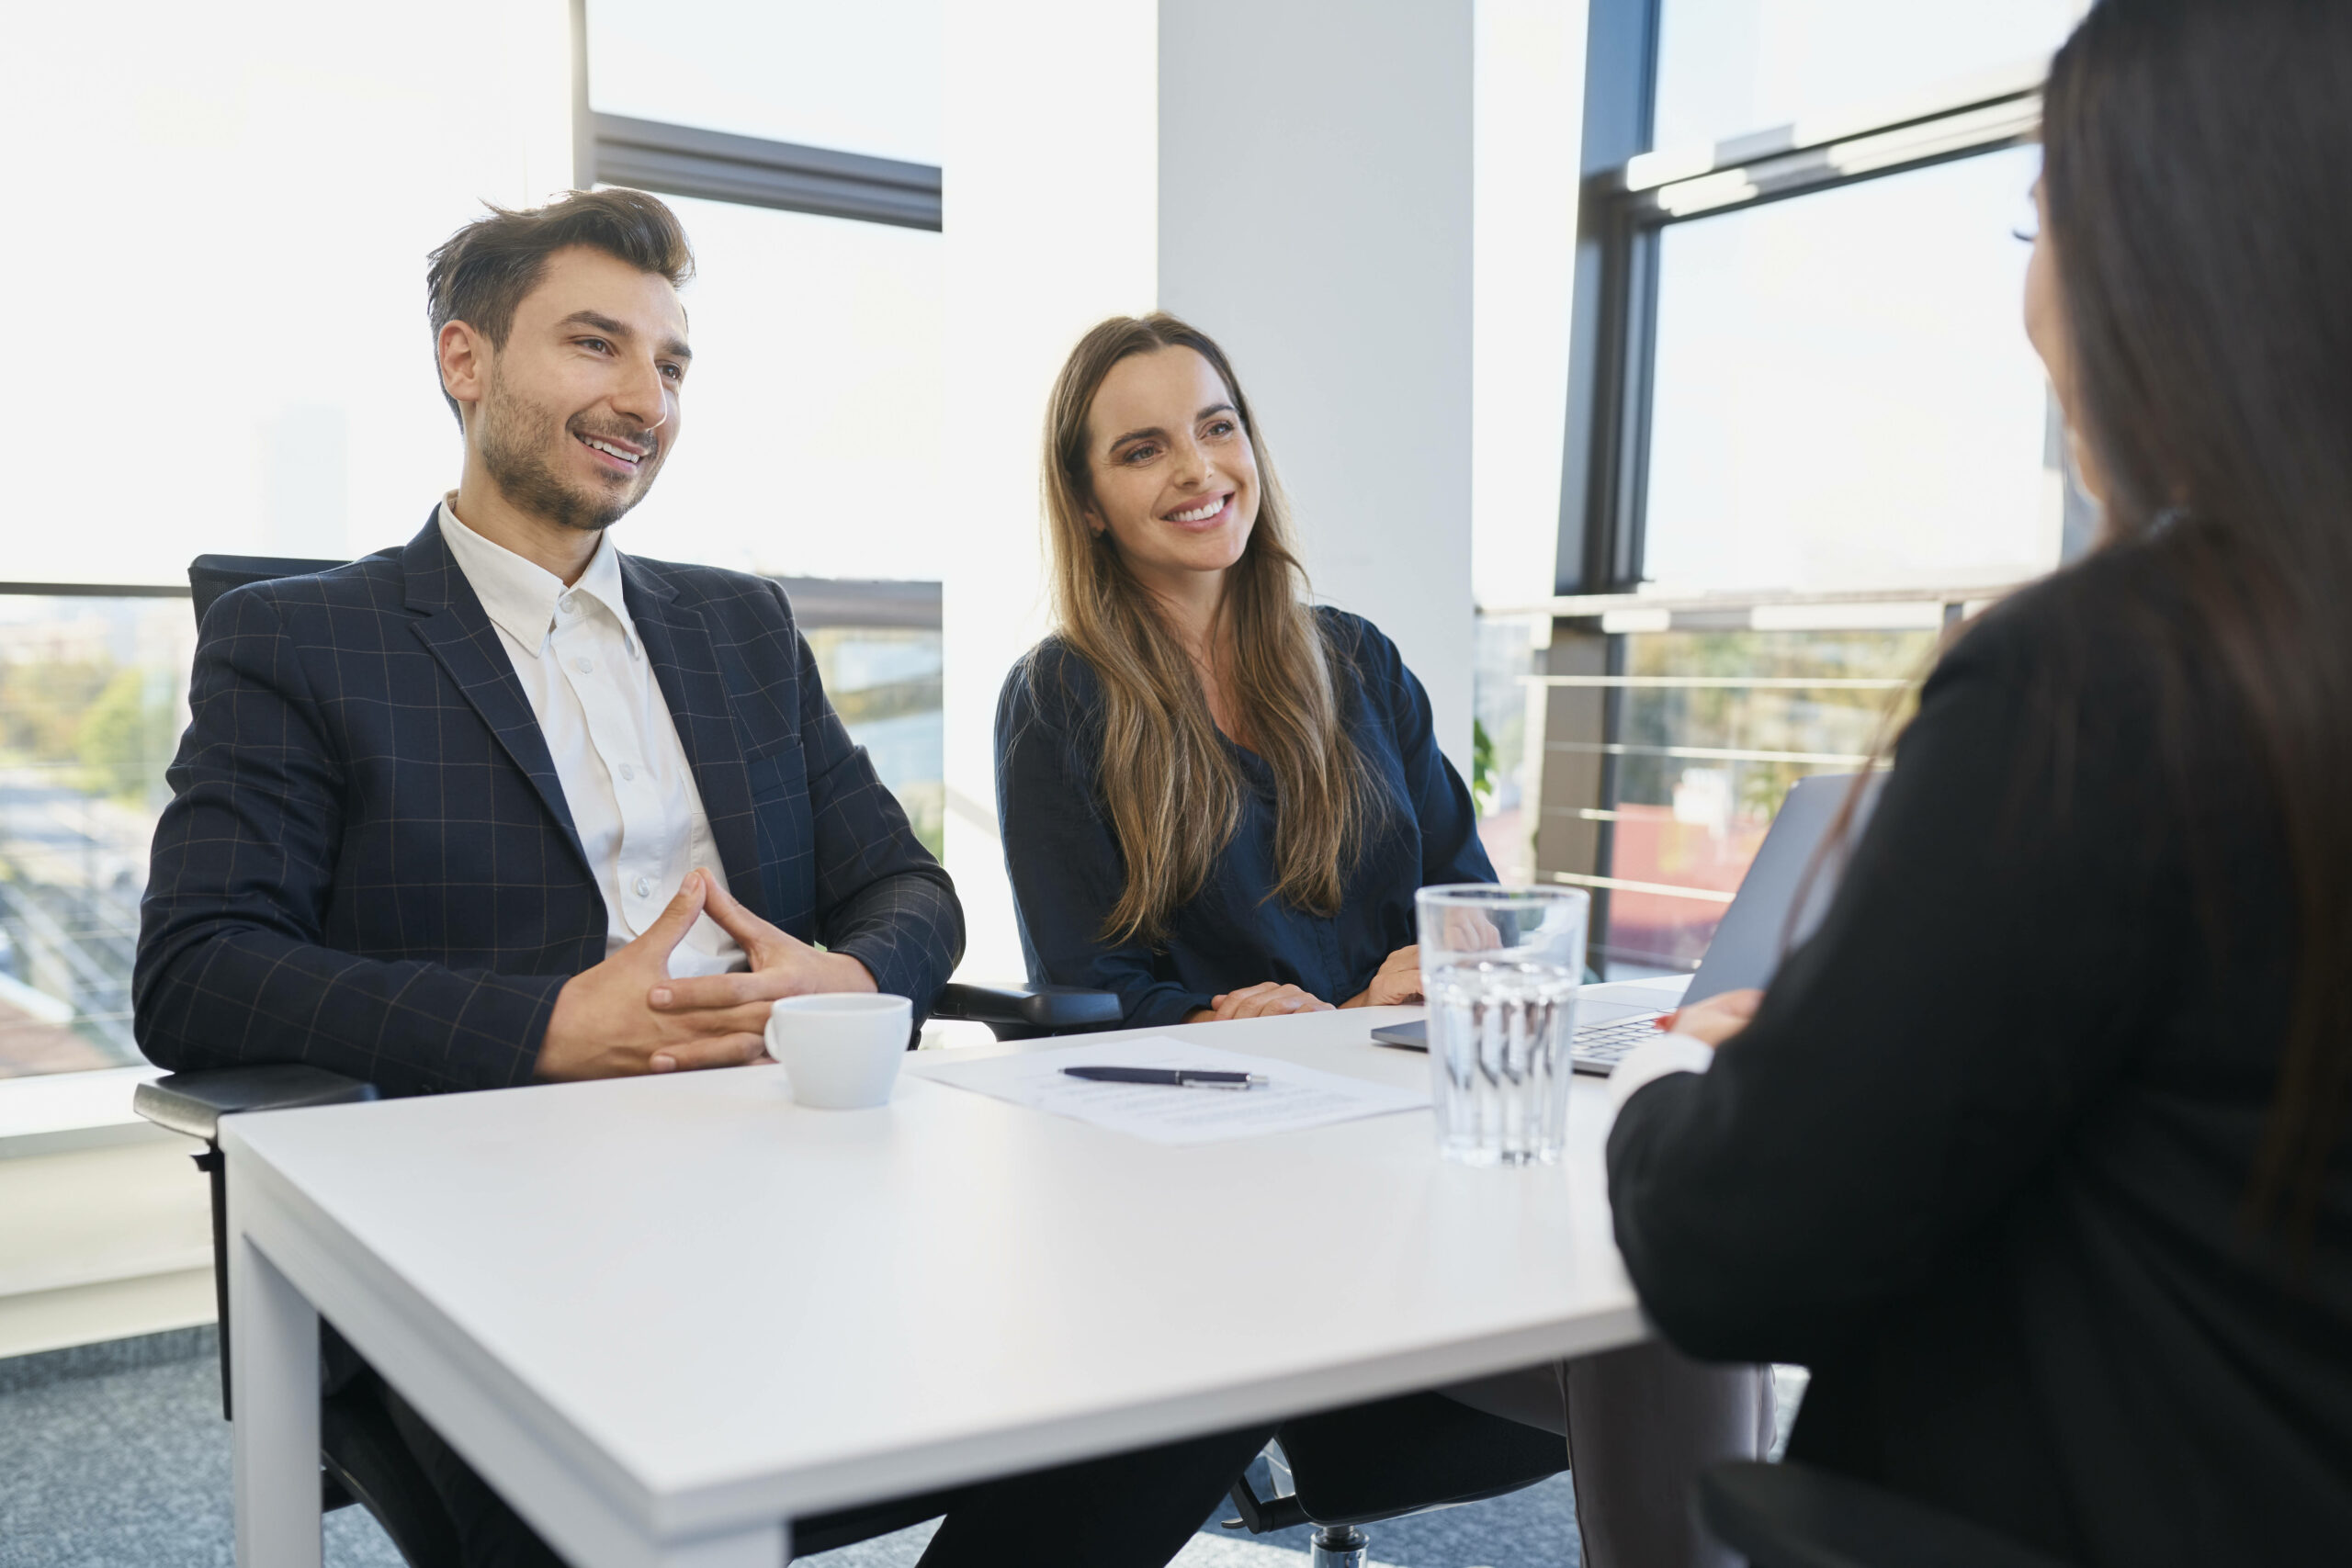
pixel 2037 1152
pixel 2012 1237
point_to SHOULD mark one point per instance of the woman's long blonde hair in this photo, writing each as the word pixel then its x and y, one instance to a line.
pixel 1173 791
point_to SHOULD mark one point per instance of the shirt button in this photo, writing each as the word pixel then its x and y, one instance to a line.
pixel 584 665
pixel 627 773
pixel 644 886
pixel 566 604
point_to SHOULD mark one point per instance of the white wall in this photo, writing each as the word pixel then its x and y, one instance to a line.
pixel 100 1242
pixel 1049 225
pixel 1315 218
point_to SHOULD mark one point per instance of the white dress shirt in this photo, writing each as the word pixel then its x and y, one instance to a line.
pixel 609 732
pixel 1655 1059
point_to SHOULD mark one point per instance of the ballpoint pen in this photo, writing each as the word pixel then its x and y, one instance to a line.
pixel 1174 1078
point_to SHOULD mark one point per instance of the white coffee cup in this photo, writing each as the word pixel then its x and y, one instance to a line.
pixel 841 1049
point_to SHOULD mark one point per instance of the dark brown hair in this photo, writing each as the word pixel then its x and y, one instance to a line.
pixel 1174 793
pixel 480 274
pixel 2194 175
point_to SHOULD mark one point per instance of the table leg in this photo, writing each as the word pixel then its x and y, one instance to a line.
pixel 274 1365
pixel 767 1546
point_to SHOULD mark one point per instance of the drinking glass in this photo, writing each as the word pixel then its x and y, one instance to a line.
pixel 1500 968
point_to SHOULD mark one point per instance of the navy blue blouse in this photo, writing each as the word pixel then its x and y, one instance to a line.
pixel 1068 872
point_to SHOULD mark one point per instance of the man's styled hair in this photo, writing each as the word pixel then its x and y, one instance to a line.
pixel 480 274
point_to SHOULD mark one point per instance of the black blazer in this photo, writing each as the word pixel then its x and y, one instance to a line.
pixel 1066 870
pixel 368 864
pixel 1981 1160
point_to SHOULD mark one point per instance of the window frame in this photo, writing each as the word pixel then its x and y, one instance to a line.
pixel 689 161
pixel 1632 192
pixel 1629 192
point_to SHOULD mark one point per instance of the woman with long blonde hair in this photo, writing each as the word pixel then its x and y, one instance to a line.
pixel 1218 802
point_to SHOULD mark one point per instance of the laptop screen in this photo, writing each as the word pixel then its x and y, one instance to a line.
pixel 1756 930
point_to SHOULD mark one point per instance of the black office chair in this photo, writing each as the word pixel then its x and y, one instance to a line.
pixel 1383 1460
pixel 362 1457
pixel 1788 1516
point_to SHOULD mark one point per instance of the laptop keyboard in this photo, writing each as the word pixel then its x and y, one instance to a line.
pixel 1606 1044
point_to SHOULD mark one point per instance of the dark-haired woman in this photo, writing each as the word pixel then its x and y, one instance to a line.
pixel 1219 802
pixel 2035 1152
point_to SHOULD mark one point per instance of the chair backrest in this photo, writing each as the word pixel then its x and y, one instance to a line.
pixel 208 577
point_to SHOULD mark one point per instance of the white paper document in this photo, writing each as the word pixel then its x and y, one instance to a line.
pixel 1293 1097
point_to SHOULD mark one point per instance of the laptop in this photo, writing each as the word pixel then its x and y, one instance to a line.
pixel 1755 930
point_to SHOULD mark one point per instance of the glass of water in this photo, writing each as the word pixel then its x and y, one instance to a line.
pixel 1500 968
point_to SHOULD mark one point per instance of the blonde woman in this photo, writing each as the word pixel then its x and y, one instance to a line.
pixel 1218 802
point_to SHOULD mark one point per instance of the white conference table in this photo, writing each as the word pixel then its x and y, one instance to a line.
pixel 663 1317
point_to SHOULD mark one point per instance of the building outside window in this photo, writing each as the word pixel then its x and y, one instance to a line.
pixel 93 698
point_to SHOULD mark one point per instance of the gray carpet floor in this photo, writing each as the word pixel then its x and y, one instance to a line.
pixel 118 1458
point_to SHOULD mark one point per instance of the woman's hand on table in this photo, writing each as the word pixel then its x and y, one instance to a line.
pixel 1398 983
pixel 1265 1000
pixel 1716 1019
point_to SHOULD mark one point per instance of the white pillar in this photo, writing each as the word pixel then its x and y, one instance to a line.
pixel 1530 122
pixel 1314 218
pixel 1293 176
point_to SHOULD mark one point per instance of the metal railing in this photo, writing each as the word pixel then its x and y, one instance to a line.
pixel 1581 688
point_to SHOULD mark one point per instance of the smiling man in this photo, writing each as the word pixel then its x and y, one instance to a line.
pixel 505 805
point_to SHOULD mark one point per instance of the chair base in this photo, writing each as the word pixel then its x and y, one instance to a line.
pixel 1341 1546
pixel 364 1457
pixel 1397 1456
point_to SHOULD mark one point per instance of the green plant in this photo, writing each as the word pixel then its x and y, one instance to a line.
pixel 1482 767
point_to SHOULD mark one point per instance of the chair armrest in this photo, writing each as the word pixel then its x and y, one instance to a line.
pixel 1259 1515
pixel 1046 1008
pixel 1788 1516
pixel 194 1103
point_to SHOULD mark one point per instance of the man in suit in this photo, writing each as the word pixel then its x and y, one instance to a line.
pixel 446 817
pixel 504 805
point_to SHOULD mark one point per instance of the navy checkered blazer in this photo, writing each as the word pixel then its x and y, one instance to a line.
pixel 367 863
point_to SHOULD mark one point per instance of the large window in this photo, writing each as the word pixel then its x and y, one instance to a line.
pixel 1843 398
pixel 1808 432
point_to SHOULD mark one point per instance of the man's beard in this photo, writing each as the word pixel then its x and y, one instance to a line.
pixel 517 440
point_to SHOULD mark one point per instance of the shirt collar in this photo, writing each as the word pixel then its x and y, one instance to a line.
pixel 519 595
pixel 601 582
